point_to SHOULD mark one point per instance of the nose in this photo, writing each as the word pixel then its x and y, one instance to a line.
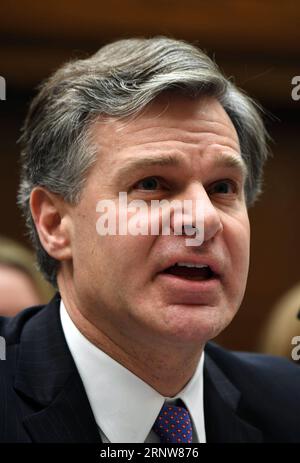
pixel 199 215
pixel 212 219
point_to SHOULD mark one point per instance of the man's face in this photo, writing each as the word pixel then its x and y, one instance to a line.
pixel 129 286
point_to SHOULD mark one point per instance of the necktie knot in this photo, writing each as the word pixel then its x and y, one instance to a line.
pixel 173 425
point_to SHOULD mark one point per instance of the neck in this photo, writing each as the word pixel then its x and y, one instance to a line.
pixel 166 367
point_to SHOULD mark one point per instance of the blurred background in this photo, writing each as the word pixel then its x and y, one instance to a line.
pixel 258 43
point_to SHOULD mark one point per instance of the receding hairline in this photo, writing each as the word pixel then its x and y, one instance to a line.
pixel 222 158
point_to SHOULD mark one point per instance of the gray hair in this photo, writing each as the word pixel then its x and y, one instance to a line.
pixel 120 80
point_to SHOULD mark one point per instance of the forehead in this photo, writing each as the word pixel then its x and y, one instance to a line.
pixel 169 117
pixel 171 124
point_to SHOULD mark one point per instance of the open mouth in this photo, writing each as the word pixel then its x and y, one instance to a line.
pixel 191 271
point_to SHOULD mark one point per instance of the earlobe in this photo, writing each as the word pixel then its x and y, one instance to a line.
pixel 49 213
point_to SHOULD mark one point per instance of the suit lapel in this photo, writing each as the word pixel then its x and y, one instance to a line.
pixel 67 419
pixel 54 403
pixel 221 401
pixel 53 399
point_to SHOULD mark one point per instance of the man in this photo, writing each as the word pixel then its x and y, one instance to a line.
pixel 121 354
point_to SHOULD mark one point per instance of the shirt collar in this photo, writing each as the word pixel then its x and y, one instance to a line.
pixel 117 395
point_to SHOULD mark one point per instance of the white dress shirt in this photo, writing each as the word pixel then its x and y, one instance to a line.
pixel 117 396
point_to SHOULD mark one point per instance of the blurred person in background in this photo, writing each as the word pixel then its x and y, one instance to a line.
pixel 21 284
pixel 281 333
pixel 122 353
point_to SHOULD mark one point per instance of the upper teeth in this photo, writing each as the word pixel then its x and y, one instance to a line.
pixel 188 264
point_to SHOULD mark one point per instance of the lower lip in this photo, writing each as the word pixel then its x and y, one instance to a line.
pixel 186 291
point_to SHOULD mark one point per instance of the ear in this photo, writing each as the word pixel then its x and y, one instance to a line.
pixel 52 221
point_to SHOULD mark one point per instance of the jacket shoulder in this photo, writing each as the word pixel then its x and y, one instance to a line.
pixel 245 364
pixel 11 327
pixel 269 389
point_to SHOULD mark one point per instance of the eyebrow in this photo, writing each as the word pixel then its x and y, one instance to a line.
pixel 226 160
pixel 232 161
pixel 134 164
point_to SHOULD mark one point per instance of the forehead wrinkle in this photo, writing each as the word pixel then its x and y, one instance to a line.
pixel 189 137
pixel 202 120
pixel 187 131
pixel 131 164
pixel 179 153
pixel 220 159
pixel 193 126
pixel 193 123
pixel 183 140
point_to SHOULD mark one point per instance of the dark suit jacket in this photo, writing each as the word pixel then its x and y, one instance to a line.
pixel 247 398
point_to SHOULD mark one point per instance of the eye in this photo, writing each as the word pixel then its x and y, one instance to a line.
pixel 224 187
pixel 148 183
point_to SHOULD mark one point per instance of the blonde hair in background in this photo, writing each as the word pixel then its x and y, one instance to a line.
pixel 282 326
pixel 18 256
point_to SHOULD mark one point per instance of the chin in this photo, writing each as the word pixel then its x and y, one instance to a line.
pixel 195 324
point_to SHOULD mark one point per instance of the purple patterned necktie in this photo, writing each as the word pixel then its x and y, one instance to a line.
pixel 173 425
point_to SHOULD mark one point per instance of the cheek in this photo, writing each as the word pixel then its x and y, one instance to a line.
pixel 130 255
pixel 122 259
pixel 241 250
pixel 237 234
